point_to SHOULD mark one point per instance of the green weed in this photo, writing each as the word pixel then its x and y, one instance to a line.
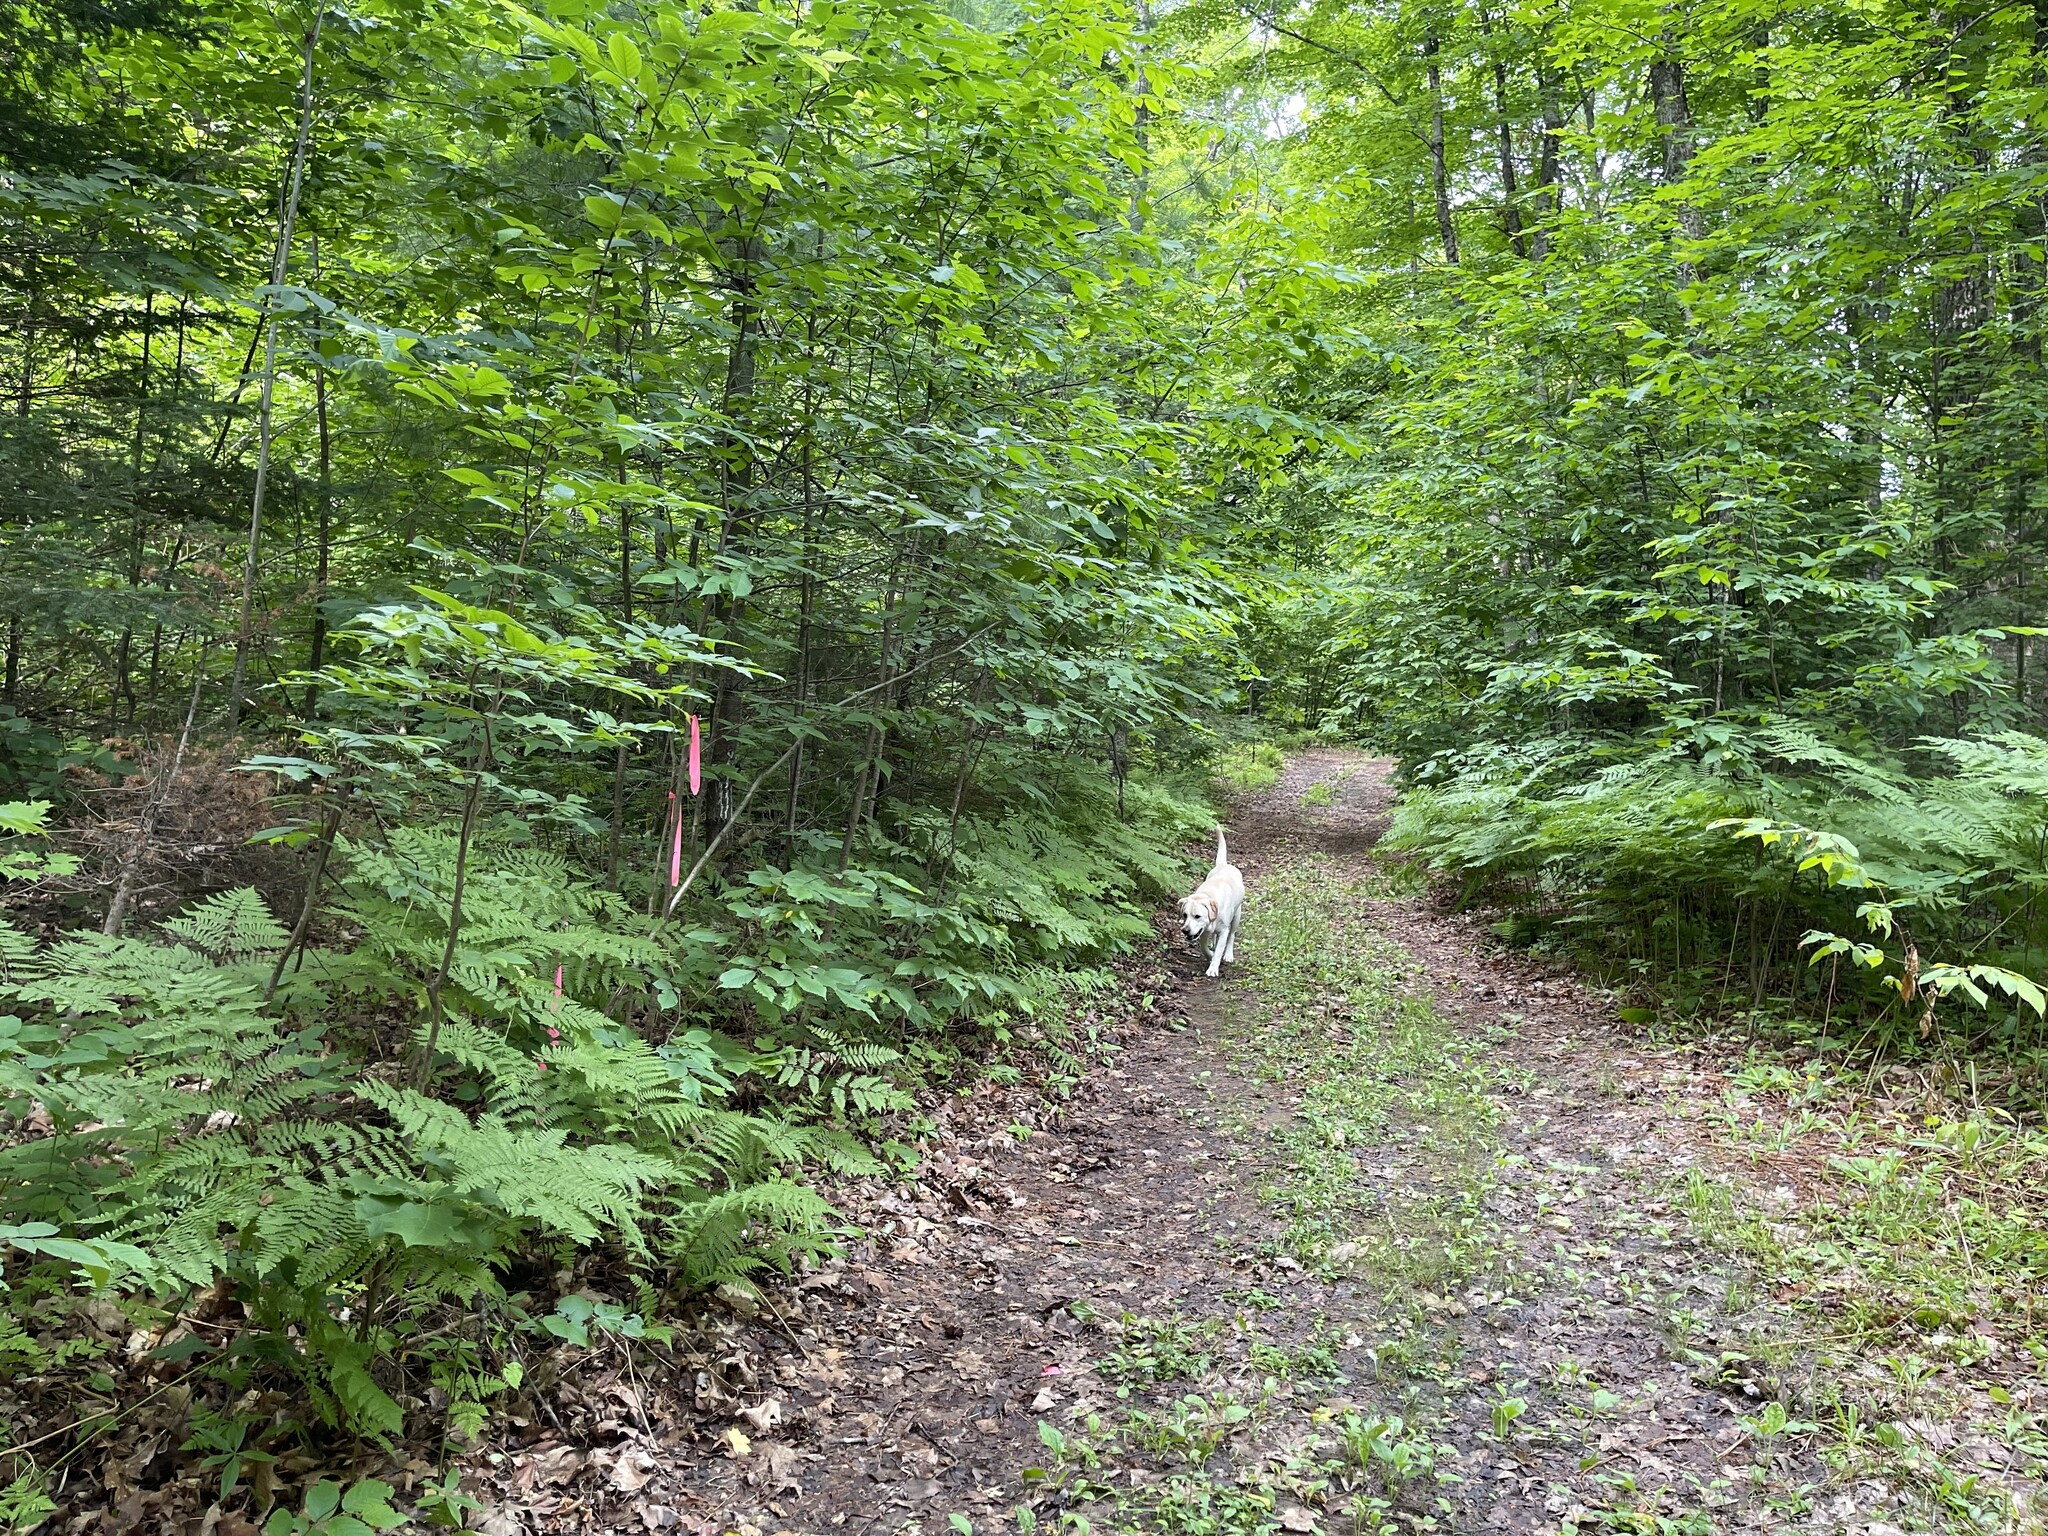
pixel 1192 1429
pixel 1245 768
pixel 1160 1349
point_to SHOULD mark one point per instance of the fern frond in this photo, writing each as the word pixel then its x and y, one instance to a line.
pixel 233 925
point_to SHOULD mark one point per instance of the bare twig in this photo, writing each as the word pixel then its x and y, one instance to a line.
pixel 321 850
pixel 166 784
pixel 267 394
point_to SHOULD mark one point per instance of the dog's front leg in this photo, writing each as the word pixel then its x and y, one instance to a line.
pixel 1216 953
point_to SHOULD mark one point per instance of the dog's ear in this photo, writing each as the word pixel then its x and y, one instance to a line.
pixel 1215 912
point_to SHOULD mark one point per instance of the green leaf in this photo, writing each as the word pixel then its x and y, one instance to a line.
pixel 322 1500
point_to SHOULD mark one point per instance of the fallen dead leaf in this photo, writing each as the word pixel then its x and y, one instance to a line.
pixel 763 1416
pixel 774 1468
pixel 633 1470
pixel 486 1520
pixel 557 1464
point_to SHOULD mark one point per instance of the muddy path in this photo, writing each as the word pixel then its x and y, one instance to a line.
pixel 1387 1230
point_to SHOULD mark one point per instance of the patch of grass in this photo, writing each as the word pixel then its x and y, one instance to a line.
pixel 1905 1281
pixel 1197 1505
pixel 1191 1430
pixel 1386 1159
pixel 1380 1449
pixel 1315 1359
pixel 1324 791
pixel 1246 767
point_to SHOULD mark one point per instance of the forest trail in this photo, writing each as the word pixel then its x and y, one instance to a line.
pixel 1389 1200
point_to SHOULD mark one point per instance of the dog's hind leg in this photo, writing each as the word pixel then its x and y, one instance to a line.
pixel 1230 943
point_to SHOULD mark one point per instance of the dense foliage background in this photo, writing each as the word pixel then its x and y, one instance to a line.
pixel 1690 363
pixel 586 586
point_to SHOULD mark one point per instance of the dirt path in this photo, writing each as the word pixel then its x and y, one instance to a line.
pixel 1389 1231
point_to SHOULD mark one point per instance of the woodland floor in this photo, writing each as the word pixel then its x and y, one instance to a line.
pixel 1394 1229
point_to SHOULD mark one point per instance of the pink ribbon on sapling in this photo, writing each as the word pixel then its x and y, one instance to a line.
pixel 696 774
pixel 675 858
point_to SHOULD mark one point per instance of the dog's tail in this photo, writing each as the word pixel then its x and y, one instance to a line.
pixel 1222 849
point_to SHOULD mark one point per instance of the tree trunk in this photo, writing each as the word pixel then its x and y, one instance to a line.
pixel 1504 129
pixel 124 682
pixel 806 597
pixel 1549 192
pixel 471 796
pixel 323 536
pixel 869 763
pixel 728 706
pixel 1674 129
pixel 1440 180
pixel 295 181
pixel 1674 117
pixel 161 790
pixel 1141 87
pixel 329 831
pixel 619 759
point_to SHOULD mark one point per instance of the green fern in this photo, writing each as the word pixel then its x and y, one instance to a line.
pixel 731 1234
pixel 234 925
pixel 203 1137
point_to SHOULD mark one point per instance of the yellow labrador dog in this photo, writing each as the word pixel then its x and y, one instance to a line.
pixel 1214 909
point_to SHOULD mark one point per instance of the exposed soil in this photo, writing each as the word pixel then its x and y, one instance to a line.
pixel 1047 1256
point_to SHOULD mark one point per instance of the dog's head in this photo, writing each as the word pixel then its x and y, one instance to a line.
pixel 1196 914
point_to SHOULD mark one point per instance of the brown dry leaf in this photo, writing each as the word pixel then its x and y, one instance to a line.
pixel 713 1395
pixel 556 1464
pixel 490 1520
pixel 774 1468
pixel 764 1416
pixel 740 1300
pixel 824 1368
pixel 632 1471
